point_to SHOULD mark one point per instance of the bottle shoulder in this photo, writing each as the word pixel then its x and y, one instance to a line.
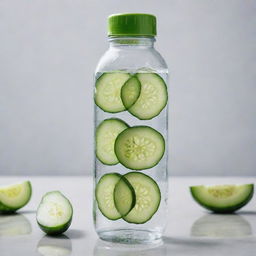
pixel 132 60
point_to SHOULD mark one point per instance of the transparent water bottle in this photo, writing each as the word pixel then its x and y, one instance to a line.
pixel 131 112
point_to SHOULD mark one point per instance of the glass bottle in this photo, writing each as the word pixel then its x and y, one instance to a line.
pixel 131 134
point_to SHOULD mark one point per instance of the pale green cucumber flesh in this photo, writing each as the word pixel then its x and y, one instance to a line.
pixel 139 147
pixel 130 92
pixel 153 96
pixel 104 194
pixel 106 134
pixel 14 197
pixel 124 196
pixel 148 198
pixel 222 198
pixel 108 91
pixel 54 214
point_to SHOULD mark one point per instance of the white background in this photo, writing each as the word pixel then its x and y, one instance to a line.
pixel 48 52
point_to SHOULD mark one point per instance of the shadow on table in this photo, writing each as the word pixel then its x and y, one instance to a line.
pixel 27 211
pixel 221 226
pixel 247 212
pixel 60 245
pixel 15 224
pixel 75 233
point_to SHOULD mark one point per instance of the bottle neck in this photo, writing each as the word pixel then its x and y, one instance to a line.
pixel 134 41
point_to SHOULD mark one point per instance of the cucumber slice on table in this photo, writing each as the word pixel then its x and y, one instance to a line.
pixel 222 198
pixel 148 197
pixel 130 92
pixel 124 196
pixel 139 147
pixel 14 197
pixel 153 96
pixel 108 90
pixel 106 134
pixel 54 214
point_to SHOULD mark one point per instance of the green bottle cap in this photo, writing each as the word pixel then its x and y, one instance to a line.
pixel 132 24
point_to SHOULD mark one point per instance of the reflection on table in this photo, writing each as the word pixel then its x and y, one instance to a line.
pixel 198 246
pixel 103 248
pixel 55 246
pixel 14 225
pixel 221 225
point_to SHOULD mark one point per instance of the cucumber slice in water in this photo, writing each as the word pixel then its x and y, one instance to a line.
pixel 108 91
pixel 139 147
pixel 148 197
pixel 105 191
pixel 153 96
pixel 130 92
pixel 14 197
pixel 105 195
pixel 222 198
pixel 54 214
pixel 106 134
pixel 124 196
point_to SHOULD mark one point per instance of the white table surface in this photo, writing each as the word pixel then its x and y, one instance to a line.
pixel 191 230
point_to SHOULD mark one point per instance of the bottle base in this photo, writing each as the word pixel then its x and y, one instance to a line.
pixel 131 236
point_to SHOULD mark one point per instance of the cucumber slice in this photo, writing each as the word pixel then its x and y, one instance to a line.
pixel 139 147
pixel 106 134
pixel 54 214
pixel 105 195
pixel 153 96
pixel 148 197
pixel 130 92
pixel 222 198
pixel 124 196
pixel 108 90
pixel 14 197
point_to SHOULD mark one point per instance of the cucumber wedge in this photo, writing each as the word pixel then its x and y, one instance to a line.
pixel 54 214
pixel 139 147
pixel 124 196
pixel 130 92
pixel 105 195
pixel 108 90
pixel 222 198
pixel 14 197
pixel 153 96
pixel 106 134
pixel 148 197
